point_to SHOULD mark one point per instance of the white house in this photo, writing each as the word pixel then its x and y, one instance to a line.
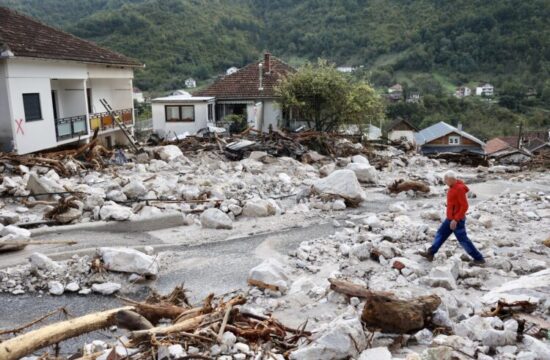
pixel 190 83
pixel 401 130
pixel 485 90
pixel 345 69
pixel 182 113
pixel 51 86
pixel 463 91
pixel 250 92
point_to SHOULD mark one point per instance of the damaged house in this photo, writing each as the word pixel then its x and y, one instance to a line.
pixel 51 84
pixel 250 92
pixel 445 138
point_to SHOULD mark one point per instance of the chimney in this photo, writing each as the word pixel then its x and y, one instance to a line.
pixel 459 126
pixel 267 62
pixel 261 73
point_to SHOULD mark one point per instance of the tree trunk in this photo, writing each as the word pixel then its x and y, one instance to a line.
pixel 28 343
pixel 390 314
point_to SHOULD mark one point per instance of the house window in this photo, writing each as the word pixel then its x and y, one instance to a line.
pixel 180 113
pixel 210 112
pixel 31 103
pixel 454 140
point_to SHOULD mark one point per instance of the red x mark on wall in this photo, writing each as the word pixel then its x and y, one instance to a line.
pixel 19 126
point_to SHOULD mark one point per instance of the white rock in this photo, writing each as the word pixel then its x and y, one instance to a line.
pixel 542 349
pixel 106 288
pixel 259 208
pixel 40 261
pixel 526 355
pixel 134 189
pixel 229 339
pixel 55 288
pixel 423 337
pixel 215 219
pixel 378 353
pixel 343 338
pixel 342 183
pixel 364 172
pixel 113 211
pixel 128 260
pixel 437 353
pixel 458 343
pixel 535 286
pixel 338 205
pixel 360 159
pixel 373 221
pixel 327 169
pixel 442 276
pixel 242 347
pixel 72 287
pixel 169 152
pixel 17 232
pixel 361 251
pixel 270 272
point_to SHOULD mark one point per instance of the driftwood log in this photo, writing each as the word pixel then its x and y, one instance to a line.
pixel 351 289
pixel 390 314
pixel 405 185
pixel 28 343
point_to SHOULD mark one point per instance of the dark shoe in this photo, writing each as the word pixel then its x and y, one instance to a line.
pixel 480 263
pixel 427 254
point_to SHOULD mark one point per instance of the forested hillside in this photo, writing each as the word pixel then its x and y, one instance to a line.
pixel 466 40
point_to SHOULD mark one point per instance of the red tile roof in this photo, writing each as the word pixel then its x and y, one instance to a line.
pixel 27 37
pixel 245 83
pixel 497 144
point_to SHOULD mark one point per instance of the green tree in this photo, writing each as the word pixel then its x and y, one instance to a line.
pixel 328 99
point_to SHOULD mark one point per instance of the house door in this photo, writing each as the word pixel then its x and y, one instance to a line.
pixel 54 104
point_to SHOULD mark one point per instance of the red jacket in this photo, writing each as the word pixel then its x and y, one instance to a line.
pixel 457 202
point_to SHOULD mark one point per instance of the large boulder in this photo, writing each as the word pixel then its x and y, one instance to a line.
pixel 129 261
pixel 215 219
pixel 364 172
pixel 342 183
pixel 270 274
pixel 169 153
pixel 43 185
pixel 260 208
pixel 112 211
pixel 533 287
pixel 343 339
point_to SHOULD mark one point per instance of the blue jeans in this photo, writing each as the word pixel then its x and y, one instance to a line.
pixel 445 231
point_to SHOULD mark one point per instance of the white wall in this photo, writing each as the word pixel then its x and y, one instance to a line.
pixel 35 135
pixel 399 134
pixel 21 75
pixel 164 128
pixel 272 115
pixel 6 121
pixel 117 92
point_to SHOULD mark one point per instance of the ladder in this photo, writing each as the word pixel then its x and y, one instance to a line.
pixel 122 126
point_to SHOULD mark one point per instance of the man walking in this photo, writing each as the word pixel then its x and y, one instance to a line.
pixel 455 222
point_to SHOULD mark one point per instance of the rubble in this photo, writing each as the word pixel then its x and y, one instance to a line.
pixel 383 205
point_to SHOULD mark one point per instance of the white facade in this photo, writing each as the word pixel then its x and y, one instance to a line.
pixel 485 90
pixel 401 135
pixel 202 115
pixel 190 83
pixel 68 93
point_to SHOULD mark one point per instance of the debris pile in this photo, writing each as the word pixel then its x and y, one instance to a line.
pixel 166 327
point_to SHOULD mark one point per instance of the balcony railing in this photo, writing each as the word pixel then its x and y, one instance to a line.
pixel 104 121
pixel 71 127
